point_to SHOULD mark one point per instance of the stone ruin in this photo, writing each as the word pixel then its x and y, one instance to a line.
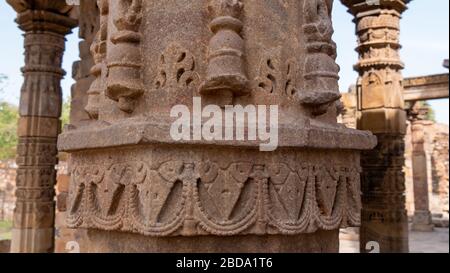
pixel 7 189
pixel 132 181
pixel 134 188
pixel 436 139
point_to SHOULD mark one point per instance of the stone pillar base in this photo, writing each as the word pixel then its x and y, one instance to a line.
pixel 117 242
pixel 422 222
pixel 42 238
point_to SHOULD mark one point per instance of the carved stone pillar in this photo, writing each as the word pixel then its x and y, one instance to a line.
pixel 136 188
pixel 45 24
pixel 381 106
pixel 422 220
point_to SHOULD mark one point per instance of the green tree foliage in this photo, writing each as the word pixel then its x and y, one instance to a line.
pixel 65 115
pixel 8 126
pixel 9 115
pixel 8 130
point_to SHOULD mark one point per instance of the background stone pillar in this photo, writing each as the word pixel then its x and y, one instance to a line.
pixel 381 106
pixel 422 220
pixel 45 24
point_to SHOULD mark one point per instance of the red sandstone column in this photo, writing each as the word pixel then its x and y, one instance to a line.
pixel 422 220
pixel 45 24
pixel 165 195
pixel 381 104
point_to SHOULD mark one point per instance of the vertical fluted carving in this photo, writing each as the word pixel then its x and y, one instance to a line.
pixel 124 83
pixel 321 71
pixel 98 50
pixel 226 73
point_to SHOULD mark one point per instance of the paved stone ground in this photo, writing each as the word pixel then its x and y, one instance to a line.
pixel 419 242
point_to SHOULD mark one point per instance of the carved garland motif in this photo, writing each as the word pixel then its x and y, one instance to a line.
pixel 181 198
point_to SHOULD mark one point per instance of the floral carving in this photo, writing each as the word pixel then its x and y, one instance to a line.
pixel 176 69
pixel 277 78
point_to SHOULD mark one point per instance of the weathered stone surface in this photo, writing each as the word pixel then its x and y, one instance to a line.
pixel 319 242
pixel 189 190
pixel 436 138
pixel 381 106
pixel 426 87
pixel 7 189
pixel 45 24
pixel 349 115
pixel 440 172
pixel 131 180
pixel 89 23
pixel 5 246
pixel 422 216
pixel 436 151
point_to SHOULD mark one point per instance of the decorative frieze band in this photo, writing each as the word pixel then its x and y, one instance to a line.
pixel 199 198
pixel 225 76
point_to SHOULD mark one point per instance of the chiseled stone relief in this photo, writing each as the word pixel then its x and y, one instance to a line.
pixel 187 196
pixel 129 175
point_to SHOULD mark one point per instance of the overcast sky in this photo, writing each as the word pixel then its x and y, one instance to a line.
pixel 425 40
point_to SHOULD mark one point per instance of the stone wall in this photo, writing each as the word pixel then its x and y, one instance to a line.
pixel 436 148
pixel 440 172
pixel 220 208
pixel 8 170
pixel 81 69
pixel 7 189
